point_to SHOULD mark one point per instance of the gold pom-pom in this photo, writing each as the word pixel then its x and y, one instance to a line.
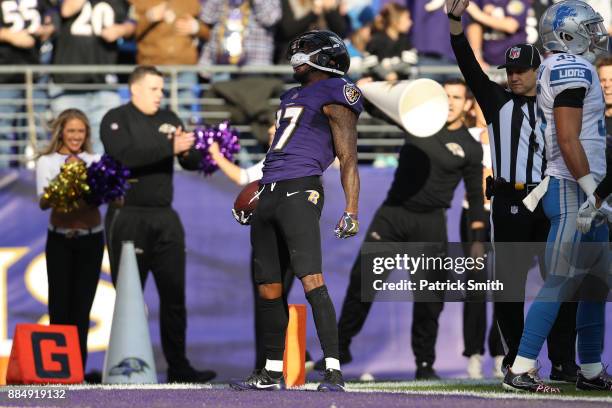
pixel 70 186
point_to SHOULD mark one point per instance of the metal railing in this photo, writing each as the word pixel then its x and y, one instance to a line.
pixel 30 125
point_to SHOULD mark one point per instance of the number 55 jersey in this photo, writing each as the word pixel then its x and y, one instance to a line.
pixel 80 39
pixel 303 144
pixel 16 16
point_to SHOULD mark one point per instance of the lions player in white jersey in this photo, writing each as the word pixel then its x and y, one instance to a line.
pixel 571 116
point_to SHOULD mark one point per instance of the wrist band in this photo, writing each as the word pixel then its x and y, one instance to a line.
pixel 587 184
pixel 453 17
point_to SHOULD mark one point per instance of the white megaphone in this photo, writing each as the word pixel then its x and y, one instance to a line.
pixel 420 106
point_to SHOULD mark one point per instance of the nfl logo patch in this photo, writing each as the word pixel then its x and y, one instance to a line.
pixel 515 52
pixel 351 94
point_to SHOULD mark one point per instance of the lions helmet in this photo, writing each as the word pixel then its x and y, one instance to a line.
pixel 322 50
pixel 572 26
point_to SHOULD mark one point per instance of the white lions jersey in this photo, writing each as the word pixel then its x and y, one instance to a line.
pixel 557 73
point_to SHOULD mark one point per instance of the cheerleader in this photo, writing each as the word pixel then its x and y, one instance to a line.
pixel 75 240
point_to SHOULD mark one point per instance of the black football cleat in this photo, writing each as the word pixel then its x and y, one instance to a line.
pixel 566 372
pixel 332 381
pixel 603 382
pixel 425 371
pixel 527 382
pixel 260 380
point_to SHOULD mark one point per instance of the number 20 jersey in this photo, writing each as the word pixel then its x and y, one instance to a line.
pixel 79 40
pixel 303 144
pixel 557 73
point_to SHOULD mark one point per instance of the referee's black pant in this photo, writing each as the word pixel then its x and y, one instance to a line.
pixel 397 224
pixel 513 222
pixel 159 240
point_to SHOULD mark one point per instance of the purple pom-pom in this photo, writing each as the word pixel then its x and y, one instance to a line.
pixel 225 136
pixel 107 180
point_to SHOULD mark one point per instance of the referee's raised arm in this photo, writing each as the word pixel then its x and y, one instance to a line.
pixel 490 95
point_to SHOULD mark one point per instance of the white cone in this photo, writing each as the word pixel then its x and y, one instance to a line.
pixel 420 106
pixel 129 358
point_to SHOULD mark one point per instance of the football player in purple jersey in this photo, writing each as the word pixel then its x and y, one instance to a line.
pixel 316 122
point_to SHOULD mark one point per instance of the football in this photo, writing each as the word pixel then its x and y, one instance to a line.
pixel 247 199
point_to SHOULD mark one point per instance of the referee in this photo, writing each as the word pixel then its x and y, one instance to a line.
pixel 518 157
pixel 146 138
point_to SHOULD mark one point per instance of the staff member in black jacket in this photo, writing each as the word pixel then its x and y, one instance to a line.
pixel 517 152
pixel 428 172
pixel 146 138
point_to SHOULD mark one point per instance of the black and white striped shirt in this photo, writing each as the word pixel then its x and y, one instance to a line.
pixel 517 150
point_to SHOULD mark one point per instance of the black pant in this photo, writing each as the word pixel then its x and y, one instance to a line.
pixel 159 240
pixel 475 308
pixel 512 222
pixel 285 224
pixel 396 224
pixel 73 271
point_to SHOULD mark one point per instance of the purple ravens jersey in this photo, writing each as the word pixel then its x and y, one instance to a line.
pixel 303 144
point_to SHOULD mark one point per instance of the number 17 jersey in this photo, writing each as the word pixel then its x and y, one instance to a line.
pixel 303 144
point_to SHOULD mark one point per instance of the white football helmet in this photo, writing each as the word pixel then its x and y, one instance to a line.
pixel 572 26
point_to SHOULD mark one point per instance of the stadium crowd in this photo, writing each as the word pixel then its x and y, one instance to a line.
pixel 385 40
